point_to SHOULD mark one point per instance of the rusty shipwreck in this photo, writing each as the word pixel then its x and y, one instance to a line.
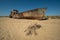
pixel 38 13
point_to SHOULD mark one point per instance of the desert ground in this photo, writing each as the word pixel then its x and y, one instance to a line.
pixel 13 29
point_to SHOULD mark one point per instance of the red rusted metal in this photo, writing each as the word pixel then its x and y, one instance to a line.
pixel 38 13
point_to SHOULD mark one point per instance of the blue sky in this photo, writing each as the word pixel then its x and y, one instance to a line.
pixel 53 6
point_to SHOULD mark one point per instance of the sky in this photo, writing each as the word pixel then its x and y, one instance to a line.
pixel 53 6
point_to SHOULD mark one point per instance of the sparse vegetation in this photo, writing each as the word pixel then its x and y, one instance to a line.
pixel 54 17
pixel 32 29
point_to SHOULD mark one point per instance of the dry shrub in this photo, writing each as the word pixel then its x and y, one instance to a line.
pixel 32 29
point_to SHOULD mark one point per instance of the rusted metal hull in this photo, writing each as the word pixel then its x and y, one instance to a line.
pixel 31 14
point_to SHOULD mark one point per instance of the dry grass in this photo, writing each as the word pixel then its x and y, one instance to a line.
pixel 54 17
pixel 13 29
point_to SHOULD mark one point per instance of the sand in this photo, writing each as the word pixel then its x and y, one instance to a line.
pixel 13 29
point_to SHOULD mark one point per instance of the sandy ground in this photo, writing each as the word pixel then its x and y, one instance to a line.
pixel 13 29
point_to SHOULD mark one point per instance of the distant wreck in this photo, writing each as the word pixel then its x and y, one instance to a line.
pixel 38 13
